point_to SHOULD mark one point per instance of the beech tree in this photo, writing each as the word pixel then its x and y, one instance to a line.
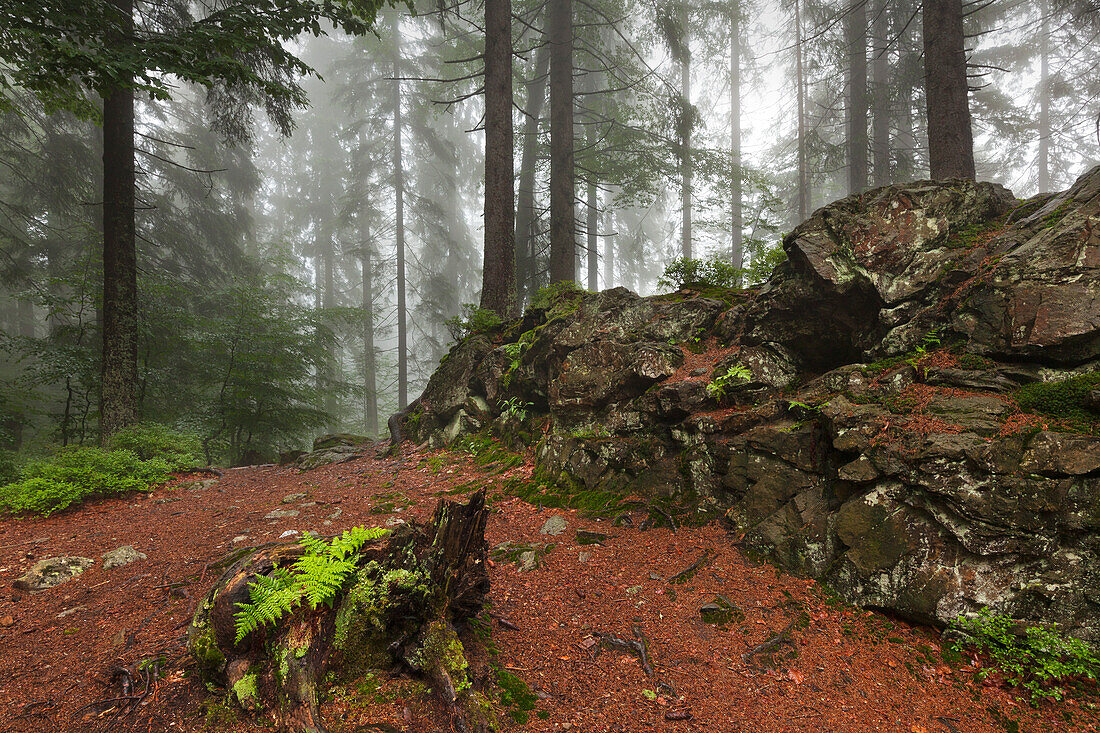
pixel 92 58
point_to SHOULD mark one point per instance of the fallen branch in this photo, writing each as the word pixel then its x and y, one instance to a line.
pixel 766 647
pixel 637 647
pixel 689 572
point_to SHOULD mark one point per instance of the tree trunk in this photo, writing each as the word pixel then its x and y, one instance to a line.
pixel 685 131
pixel 592 227
pixel 562 214
pixel 118 405
pixel 880 95
pixel 857 96
pixel 399 222
pixel 527 256
pixel 370 379
pixel 498 280
pixel 400 604
pixel 737 251
pixel 1044 97
pixel 950 138
pixel 328 302
pixel 609 251
pixel 803 174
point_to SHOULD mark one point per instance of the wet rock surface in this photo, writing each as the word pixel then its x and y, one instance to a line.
pixel 859 416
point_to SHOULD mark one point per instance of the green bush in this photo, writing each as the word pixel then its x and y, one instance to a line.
pixel 9 468
pixel 78 474
pixel 152 440
pixel 1038 659
pixel 473 320
pixel 714 272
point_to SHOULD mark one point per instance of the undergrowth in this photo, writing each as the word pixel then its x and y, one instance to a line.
pixel 1041 661
pixel 77 474
pixel 149 440
pixel 315 578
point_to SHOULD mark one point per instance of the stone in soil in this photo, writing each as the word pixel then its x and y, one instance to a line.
pixel 282 514
pixel 554 526
pixel 291 498
pixel 121 556
pixel 52 572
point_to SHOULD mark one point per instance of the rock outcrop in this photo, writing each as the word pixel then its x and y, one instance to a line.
pixel 906 409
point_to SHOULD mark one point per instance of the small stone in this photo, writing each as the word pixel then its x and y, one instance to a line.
pixel 122 556
pixel 394 521
pixel 555 525
pixel 282 514
pixel 288 533
pixel 70 611
pixel 655 576
pixel 528 560
pixel 291 498
pixel 326 523
pixel 336 514
pixel 7 621
pixel 240 538
pixel 588 537
pixel 584 556
pixel 303 505
pixel 699 372
pixel 53 571
pixel 634 590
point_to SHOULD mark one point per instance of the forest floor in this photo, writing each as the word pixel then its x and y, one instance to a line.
pixel 837 668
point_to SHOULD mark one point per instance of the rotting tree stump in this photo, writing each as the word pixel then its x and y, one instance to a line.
pixel 402 607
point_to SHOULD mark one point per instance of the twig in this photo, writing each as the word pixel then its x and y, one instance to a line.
pixel 689 572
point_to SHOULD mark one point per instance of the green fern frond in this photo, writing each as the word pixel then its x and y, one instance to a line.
pixel 317 577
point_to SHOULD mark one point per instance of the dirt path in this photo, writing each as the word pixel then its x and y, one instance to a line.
pixel 837 669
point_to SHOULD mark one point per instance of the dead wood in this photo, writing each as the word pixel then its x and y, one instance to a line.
pixel 401 608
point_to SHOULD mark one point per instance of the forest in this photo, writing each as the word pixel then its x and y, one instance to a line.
pixel 607 366
pixel 320 212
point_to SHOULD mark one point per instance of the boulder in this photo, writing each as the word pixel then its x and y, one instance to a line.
pixel 52 571
pixel 121 556
pixel 856 416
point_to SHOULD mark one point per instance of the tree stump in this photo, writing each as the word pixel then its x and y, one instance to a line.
pixel 401 606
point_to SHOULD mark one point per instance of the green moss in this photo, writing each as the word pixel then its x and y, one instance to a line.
pixel 967 237
pixel 246 691
pixel 690 291
pixel 515 695
pixel 220 714
pixel 1054 218
pixel 443 649
pixel 205 649
pixel 1065 400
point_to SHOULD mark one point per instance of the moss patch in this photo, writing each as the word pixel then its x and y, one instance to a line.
pixel 1065 400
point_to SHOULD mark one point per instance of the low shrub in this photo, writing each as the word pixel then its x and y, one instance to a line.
pixel 75 475
pixel 152 440
pixel 1039 660
pixel 473 320
pixel 714 272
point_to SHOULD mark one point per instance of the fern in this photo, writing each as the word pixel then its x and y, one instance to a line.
pixel 317 577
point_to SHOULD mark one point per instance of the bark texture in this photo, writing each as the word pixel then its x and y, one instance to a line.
pixel 118 388
pixel 857 97
pixel 498 281
pixel 950 138
pixel 562 213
